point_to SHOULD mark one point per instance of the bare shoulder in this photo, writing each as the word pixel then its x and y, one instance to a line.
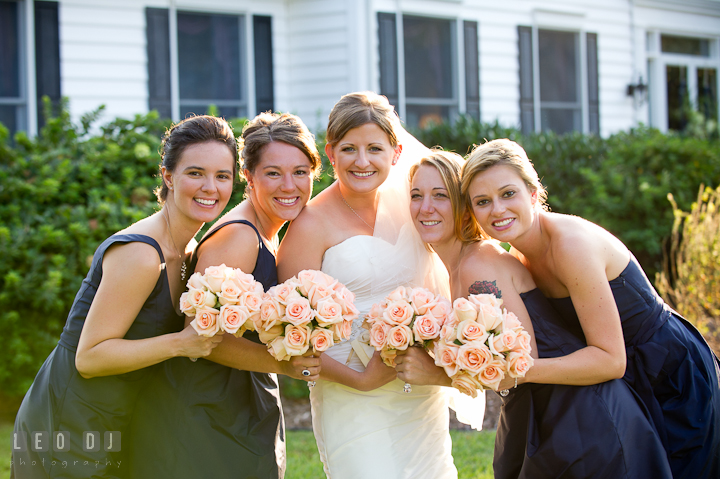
pixel 139 259
pixel 235 245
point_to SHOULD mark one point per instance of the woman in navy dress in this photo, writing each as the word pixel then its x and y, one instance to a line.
pixel 545 430
pixel 221 416
pixel 124 320
pixel 606 301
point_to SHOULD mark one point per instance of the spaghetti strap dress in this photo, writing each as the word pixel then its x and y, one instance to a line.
pixel 671 368
pixel 203 419
pixel 63 406
pixel 557 431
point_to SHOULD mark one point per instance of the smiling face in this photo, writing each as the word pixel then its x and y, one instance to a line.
pixel 502 203
pixel 430 206
pixel 363 157
pixel 202 181
pixel 281 182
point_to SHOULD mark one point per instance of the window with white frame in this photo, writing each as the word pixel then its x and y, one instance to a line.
pixel 428 70
pixel 558 80
pixel 19 108
pixel 683 77
pixel 208 50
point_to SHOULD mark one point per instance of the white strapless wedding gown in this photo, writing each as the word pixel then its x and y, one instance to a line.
pixel 385 432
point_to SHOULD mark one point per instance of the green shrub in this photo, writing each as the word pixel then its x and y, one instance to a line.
pixel 690 279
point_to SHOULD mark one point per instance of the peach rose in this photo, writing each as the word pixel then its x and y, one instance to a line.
pixel 328 312
pixel 378 334
pixel 215 276
pixel 269 334
pixel 465 310
pixel 490 317
pixel 399 294
pixel 485 299
pixel 246 281
pixel 271 311
pixel 229 292
pixel 511 321
pixel 491 375
pixel 277 349
pixel 398 313
pixel 466 384
pixel 318 292
pixel 503 342
pixel 186 306
pixel 342 330
pixel 252 300
pixel 474 356
pixel 421 298
pixel 441 310
pixel 375 314
pixel 298 311
pixel 206 322
pixel 281 292
pixel 196 281
pixel 388 356
pixel 297 339
pixel 448 333
pixel 199 298
pixel 523 342
pixel 446 357
pixel 469 330
pixel 309 278
pixel 399 337
pixel 518 364
pixel 426 327
pixel 321 339
pixel 232 318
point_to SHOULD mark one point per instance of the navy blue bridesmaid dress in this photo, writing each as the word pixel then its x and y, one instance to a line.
pixel 62 401
pixel 202 419
pixel 671 368
pixel 557 431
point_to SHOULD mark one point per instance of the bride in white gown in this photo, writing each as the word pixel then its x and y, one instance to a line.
pixel 359 231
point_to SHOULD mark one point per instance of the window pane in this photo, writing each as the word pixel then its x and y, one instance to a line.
pixel 420 116
pixel 685 45
pixel 209 57
pixel 558 66
pixel 8 118
pixel 677 96
pixel 223 111
pixel 9 50
pixel 560 120
pixel 428 57
pixel 707 92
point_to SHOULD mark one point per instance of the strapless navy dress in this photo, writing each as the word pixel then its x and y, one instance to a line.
pixel 202 419
pixel 671 368
pixel 557 431
pixel 60 400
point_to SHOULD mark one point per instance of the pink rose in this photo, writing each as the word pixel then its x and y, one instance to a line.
pixel 388 356
pixel 518 364
pixel 441 310
pixel 446 357
pixel 466 384
pixel 426 327
pixel 298 311
pixel 342 330
pixel 378 334
pixel 271 311
pixel 232 318
pixel 199 298
pixel 523 342
pixel 421 298
pixel 375 313
pixel 399 294
pixel 277 349
pixel 206 322
pixel 474 356
pixel 186 306
pixel 399 337
pixel 297 340
pixel 328 312
pixel 503 342
pixel 215 276
pixel 464 309
pixel 269 334
pixel 469 330
pixel 398 313
pixel 491 375
pixel 321 339
pixel 229 292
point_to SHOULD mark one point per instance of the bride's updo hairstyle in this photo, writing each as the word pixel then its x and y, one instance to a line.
pixel 449 165
pixel 269 127
pixel 357 109
pixel 502 152
pixel 191 131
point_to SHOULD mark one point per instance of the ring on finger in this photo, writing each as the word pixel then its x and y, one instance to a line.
pixel 306 372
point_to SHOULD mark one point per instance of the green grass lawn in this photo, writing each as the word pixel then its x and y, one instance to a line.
pixel 472 452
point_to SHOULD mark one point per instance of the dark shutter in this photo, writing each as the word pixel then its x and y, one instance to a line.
pixel 472 74
pixel 264 80
pixel 158 55
pixel 387 36
pixel 527 107
pixel 47 56
pixel 593 95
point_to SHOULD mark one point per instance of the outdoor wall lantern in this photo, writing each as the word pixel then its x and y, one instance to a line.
pixel 638 91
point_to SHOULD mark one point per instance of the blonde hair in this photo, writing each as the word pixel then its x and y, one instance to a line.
pixel 360 108
pixel 448 165
pixel 502 152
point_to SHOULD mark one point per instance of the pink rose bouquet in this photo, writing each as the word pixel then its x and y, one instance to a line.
pixel 406 317
pixel 481 344
pixel 309 311
pixel 224 300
